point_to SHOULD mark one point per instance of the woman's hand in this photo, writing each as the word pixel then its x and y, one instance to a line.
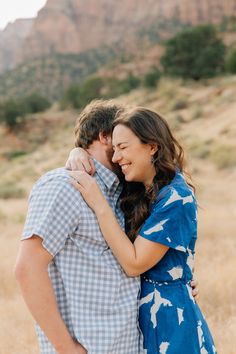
pixel 195 290
pixel 80 160
pixel 89 189
pixel 76 348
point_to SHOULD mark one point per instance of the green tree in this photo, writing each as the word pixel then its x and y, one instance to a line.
pixel 71 97
pixel 130 83
pixel 151 78
pixel 36 103
pixel 12 113
pixel 78 96
pixel 194 53
pixel 230 62
pixel 91 89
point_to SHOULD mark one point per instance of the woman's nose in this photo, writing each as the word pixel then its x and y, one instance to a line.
pixel 116 157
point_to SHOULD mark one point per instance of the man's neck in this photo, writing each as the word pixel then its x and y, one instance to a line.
pixel 99 154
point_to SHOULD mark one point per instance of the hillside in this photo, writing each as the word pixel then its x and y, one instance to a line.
pixel 48 55
pixel 202 115
pixel 75 26
pixel 11 39
pixel 51 75
pixel 81 25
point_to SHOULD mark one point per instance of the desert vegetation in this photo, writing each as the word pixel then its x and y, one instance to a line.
pixel 202 115
pixel 13 112
pixel 189 79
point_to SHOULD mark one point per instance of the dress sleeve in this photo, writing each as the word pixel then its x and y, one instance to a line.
pixel 173 221
pixel 53 214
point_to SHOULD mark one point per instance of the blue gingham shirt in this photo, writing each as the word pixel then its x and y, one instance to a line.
pixel 97 301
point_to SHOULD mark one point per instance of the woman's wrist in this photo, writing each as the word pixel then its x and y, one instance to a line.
pixel 102 209
pixel 65 346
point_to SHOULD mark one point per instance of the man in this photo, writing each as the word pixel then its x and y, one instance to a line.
pixel 75 289
pixel 86 303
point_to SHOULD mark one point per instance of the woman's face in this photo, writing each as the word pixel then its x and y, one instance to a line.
pixel 133 156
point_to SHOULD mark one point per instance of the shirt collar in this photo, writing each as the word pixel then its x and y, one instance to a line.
pixel 108 177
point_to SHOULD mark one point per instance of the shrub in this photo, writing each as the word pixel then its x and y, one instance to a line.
pixel 36 103
pixel 12 112
pixel 10 155
pixel 114 87
pixel 194 53
pixel 71 97
pixel 230 62
pixel 176 122
pixel 151 78
pixel 197 113
pixel 91 89
pixel 179 104
pixel 79 96
pixel 200 150
pixel 10 190
pixel 224 156
pixel 130 83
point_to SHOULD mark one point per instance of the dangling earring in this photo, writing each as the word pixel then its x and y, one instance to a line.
pixel 153 160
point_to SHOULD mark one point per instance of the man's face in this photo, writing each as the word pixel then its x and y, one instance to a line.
pixel 114 166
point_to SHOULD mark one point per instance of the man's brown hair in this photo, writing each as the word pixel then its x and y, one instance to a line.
pixel 97 117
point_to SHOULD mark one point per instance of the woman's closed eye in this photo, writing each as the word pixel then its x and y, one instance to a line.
pixel 119 148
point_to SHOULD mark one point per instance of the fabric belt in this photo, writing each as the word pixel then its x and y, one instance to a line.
pixel 168 282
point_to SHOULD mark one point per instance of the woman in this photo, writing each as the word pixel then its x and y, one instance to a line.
pixel 161 213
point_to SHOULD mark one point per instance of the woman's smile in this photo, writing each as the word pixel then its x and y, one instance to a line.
pixel 125 166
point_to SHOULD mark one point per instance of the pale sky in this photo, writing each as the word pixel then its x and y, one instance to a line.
pixel 14 9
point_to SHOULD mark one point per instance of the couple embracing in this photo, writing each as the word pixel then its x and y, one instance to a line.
pixel 105 262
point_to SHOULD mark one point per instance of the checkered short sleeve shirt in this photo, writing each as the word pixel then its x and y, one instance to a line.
pixel 97 301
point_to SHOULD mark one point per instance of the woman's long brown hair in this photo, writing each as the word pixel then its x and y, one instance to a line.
pixel 149 127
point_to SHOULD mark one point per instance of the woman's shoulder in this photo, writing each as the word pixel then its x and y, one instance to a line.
pixel 178 191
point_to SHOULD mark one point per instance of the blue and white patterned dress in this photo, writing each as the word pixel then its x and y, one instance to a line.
pixel 170 319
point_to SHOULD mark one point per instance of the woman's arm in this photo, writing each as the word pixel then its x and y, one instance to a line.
pixel 135 258
pixel 79 159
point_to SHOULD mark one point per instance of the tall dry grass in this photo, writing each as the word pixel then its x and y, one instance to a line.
pixel 216 247
pixel 215 267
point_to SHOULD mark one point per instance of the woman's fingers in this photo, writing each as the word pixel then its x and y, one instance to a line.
pixel 93 168
pixel 80 160
pixel 195 290
pixel 88 165
pixel 68 165
pixel 76 185
pixel 83 178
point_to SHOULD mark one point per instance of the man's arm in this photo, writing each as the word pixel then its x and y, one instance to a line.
pixel 31 272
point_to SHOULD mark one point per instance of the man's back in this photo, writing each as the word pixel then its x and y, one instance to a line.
pixel 97 301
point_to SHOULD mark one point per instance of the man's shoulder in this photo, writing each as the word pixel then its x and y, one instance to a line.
pixel 55 182
pixel 58 175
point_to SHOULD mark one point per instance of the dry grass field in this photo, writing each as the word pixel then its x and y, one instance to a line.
pixel 204 118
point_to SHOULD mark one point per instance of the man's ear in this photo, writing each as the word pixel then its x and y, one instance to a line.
pixel 105 138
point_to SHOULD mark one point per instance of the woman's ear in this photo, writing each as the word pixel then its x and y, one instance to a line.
pixel 154 148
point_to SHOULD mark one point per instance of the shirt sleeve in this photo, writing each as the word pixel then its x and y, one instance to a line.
pixel 173 221
pixel 53 213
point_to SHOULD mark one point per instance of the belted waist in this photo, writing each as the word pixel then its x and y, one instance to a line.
pixel 167 282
